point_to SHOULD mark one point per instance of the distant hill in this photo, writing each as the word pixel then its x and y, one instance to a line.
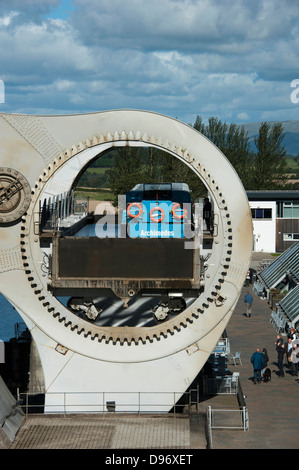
pixel 291 140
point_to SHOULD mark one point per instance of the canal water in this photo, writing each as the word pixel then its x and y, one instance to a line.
pixel 8 318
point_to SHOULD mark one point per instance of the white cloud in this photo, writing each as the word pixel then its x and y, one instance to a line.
pixel 178 57
pixel 243 117
pixel 7 19
pixel 63 85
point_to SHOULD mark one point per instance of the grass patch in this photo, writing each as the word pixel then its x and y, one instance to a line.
pixel 292 164
pixel 98 170
pixel 95 194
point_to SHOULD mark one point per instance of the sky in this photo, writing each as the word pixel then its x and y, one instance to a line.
pixel 232 59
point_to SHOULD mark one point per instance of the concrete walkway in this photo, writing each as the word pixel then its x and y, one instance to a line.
pixel 274 406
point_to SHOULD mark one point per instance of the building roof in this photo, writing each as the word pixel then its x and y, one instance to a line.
pixel 280 195
pixel 290 303
pixel 287 261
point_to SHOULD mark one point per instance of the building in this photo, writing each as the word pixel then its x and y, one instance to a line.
pixel 275 217
pixel 279 283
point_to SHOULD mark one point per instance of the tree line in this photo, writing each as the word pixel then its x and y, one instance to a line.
pixel 262 167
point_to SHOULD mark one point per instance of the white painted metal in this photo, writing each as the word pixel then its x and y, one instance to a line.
pixel 49 151
pixel 264 230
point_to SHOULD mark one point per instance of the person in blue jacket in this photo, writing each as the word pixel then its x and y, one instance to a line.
pixel 248 299
pixel 258 362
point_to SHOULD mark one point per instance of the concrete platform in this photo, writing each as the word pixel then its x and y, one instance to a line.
pixel 103 432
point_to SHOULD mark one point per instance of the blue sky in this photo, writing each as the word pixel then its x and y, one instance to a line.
pixel 62 10
pixel 233 59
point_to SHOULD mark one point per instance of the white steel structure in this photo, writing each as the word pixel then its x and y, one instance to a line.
pixel 40 156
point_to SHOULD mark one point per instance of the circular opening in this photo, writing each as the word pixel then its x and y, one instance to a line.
pixel 94 195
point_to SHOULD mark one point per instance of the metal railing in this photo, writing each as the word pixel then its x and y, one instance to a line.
pixel 228 419
pixel 224 385
pixel 222 346
pixel 58 208
pixel 214 416
pixel 176 403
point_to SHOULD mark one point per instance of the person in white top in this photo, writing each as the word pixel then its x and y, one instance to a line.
pixel 295 359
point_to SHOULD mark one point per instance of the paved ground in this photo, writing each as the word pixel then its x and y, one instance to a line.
pixel 103 432
pixel 273 407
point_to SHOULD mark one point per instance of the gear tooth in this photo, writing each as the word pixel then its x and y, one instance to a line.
pixel 169 331
pixel 149 339
pixel 101 338
pixel 81 146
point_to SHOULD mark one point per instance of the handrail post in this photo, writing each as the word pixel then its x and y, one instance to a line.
pixel 210 415
pixel 174 404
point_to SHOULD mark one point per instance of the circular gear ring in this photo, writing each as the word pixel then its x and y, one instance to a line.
pixel 222 287
pixel 15 195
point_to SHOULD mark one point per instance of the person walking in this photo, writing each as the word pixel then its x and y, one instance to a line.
pixel 258 362
pixel 280 349
pixel 288 352
pixel 248 299
pixel 295 359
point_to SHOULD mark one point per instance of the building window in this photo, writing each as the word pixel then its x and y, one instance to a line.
pixel 291 210
pixel 261 213
pixel 289 237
